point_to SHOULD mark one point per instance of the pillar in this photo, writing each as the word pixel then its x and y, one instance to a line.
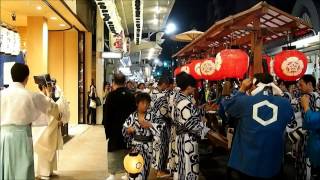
pixel 55 56
pixel 99 63
pixel 88 67
pixel 37 48
pixel 70 72
pixel 256 47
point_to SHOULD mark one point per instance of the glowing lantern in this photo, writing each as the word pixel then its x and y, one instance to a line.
pixel 290 65
pixel 185 69
pixel 195 70
pixel 209 70
pixel 177 71
pixel 233 63
pixel 133 163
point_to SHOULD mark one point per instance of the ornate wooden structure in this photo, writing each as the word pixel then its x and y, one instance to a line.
pixel 249 29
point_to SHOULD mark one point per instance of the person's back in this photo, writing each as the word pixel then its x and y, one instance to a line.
pixel 119 105
pixel 19 108
pixel 258 145
pixel 24 102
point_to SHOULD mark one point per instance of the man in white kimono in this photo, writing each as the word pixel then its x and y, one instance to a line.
pixel 19 108
pixel 48 141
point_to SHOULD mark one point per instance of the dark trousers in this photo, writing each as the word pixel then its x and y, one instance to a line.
pixel 91 112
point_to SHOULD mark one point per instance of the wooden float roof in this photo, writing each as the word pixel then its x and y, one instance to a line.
pixel 237 30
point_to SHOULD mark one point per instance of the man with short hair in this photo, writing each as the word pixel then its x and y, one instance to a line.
pixel 120 103
pixel 307 86
pixel 258 146
pixel 19 108
pixel 189 129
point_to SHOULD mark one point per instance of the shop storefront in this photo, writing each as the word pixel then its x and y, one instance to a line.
pixel 50 38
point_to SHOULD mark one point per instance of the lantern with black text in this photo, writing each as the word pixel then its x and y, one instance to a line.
pixel 233 63
pixel 195 69
pixel 290 65
pixel 208 69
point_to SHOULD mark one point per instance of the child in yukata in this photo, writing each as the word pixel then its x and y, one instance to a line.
pixel 140 130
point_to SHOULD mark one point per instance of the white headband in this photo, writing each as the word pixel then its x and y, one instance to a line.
pixel 260 86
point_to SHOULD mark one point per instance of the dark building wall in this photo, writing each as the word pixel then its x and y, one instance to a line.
pixel 311 8
pixel 86 11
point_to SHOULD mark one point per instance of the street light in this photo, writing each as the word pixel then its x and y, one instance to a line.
pixel 170 28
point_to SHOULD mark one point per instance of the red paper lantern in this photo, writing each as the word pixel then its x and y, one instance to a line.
pixel 195 69
pixel 233 63
pixel 290 65
pixel 209 70
pixel 185 69
pixel 177 71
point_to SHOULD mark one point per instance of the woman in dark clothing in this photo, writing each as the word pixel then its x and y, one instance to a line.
pixel 92 104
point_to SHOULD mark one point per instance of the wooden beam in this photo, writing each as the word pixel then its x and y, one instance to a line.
pixel 256 41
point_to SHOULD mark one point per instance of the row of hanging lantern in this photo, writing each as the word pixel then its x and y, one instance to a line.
pixel 288 65
pixel 229 63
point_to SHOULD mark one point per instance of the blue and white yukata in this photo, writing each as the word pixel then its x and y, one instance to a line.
pixel 159 107
pixel 142 139
pixel 299 136
pixel 189 129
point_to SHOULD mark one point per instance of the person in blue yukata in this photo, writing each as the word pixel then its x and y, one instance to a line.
pixel 311 122
pixel 258 146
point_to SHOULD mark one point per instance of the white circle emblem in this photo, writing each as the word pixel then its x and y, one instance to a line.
pixel 292 66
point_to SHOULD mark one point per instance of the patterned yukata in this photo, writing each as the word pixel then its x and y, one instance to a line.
pixel 159 107
pixel 299 136
pixel 189 129
pixel 142 139
pixel 172 145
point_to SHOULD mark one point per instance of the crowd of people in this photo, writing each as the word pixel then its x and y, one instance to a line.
pixel 164 122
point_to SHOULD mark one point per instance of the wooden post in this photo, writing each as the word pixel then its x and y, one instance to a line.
pixel 256 46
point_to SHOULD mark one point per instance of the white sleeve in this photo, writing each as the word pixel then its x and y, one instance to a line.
pixel 45 105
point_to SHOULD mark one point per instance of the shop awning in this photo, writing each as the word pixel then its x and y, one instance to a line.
pixel 258 25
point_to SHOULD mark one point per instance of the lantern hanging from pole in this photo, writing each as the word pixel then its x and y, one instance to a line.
pixel 234 63
pixel 133 164
pixel 195 70
pixel 290 65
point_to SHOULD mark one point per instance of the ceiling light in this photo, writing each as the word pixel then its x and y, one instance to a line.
pixel 170 28
pixel 157 9
pixel 53 18
pixel 38 7
pixel 62 25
